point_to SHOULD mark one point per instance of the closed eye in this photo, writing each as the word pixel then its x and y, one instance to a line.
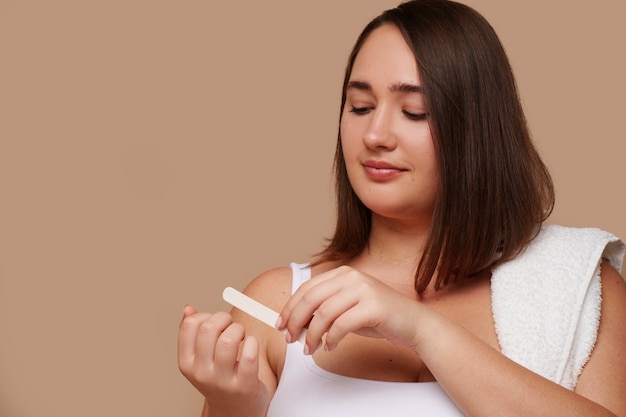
pixel 360 110
pixel 415 116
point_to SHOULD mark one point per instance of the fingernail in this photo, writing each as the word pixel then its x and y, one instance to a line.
pixel 288 337
pixel 306 350
pixel 279 322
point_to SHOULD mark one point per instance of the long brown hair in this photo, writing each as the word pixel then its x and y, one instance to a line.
pixel 495 190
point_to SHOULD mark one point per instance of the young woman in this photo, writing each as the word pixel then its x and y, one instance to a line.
pixel 441 292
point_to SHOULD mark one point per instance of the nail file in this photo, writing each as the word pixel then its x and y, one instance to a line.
pixel 254 308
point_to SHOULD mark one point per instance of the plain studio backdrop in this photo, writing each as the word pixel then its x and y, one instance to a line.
pixel 154 152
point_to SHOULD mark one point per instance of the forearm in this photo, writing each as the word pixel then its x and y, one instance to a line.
pixel 484 383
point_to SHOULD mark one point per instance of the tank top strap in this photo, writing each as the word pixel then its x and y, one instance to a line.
pixel 300 273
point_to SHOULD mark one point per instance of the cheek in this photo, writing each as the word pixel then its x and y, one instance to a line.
pixel 419 144
pixel 433 169
pixel 348 137
pixel 430 158
pixel 423 154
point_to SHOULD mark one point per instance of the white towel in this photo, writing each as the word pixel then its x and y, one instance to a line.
pixel 546 302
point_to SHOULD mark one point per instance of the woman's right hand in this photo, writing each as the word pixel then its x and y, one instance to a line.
pixel 221 362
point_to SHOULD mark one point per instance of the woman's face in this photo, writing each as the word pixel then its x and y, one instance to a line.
pixel 385 133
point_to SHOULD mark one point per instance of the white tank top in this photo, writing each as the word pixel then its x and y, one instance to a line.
pixel 306 390
pixel 546 309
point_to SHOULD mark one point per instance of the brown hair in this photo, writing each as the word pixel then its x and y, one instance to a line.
pixel 495 190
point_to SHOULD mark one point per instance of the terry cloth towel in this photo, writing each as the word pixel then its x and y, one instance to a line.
pixel 546 302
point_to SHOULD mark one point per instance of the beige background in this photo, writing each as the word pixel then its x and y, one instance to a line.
pixel 152 152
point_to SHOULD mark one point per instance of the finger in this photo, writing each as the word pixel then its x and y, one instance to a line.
pixel 227 349
pixel 296 298
pixel 308 305
pixel 248 367
pixel 351 320
pixel 326 314
pixel 206 339
pixel 189 311
pixel 187 334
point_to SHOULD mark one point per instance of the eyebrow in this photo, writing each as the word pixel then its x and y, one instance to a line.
pixel 394 88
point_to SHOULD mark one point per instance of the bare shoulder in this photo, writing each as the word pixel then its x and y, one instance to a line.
pixel 603 379
pixel 613 297
pixel 272 287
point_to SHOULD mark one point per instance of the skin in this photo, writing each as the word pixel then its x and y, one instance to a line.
pixel 369 307
pixel 386 139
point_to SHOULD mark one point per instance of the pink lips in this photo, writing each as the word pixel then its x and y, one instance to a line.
pixel 381 170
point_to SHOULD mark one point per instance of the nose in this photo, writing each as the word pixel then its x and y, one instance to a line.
pixel 379 133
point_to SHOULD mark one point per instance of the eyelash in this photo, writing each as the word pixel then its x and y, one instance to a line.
pixel 411 116
pixel 416 117
pixel 360 110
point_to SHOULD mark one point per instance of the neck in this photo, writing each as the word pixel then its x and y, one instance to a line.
pixel 397 241
pixel 394 251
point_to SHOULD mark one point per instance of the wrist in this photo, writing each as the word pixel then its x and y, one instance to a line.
pixel 236 411
pixel 244 406
pixel 428 325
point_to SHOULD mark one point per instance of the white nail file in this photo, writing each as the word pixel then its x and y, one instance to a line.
pixel 254 308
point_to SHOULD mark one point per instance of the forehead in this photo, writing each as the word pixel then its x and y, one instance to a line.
pixel 386 58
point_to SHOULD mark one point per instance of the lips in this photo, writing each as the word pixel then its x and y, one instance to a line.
pixel 381 170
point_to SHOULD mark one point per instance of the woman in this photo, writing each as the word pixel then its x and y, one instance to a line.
pixel 440 293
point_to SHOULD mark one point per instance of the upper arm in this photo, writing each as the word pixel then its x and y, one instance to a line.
pixel 603 379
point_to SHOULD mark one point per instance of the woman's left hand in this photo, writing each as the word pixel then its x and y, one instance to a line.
pixel 345 300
